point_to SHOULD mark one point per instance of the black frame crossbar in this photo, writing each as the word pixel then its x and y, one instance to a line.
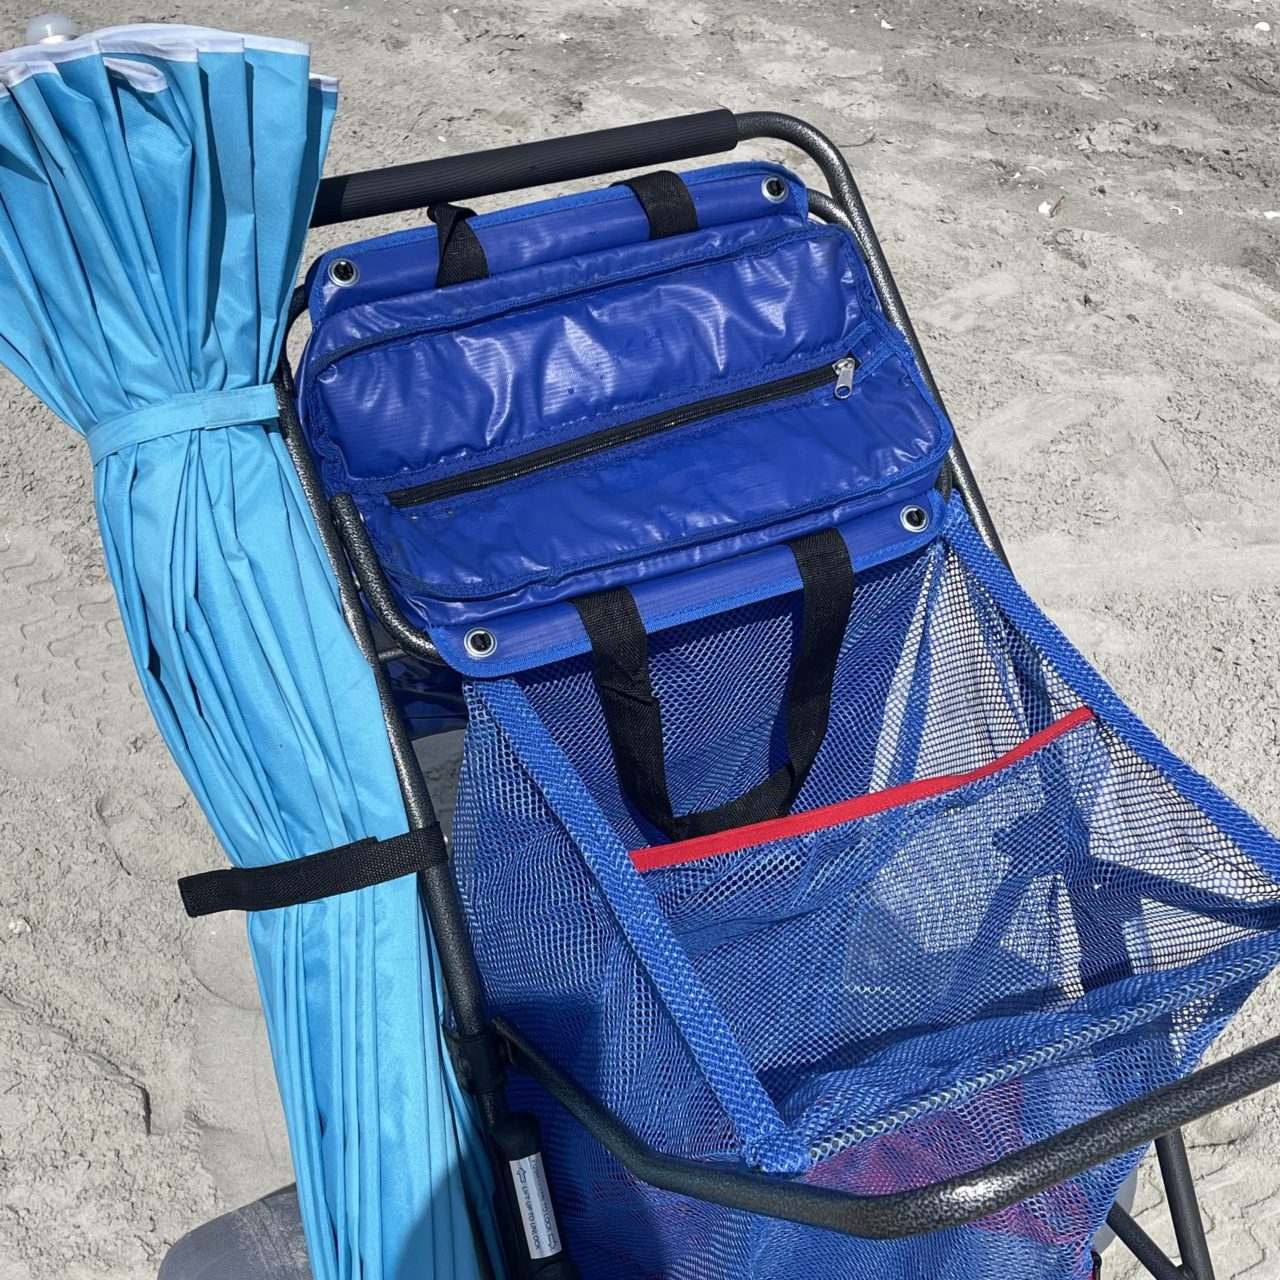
pixel 950 1203
pixel 492 1046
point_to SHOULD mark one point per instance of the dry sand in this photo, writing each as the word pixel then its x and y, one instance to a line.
pixel 1113 369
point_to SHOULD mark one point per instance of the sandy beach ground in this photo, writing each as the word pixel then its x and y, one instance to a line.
pixel 1075 197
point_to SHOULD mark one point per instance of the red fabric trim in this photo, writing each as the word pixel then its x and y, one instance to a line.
pixel 833 815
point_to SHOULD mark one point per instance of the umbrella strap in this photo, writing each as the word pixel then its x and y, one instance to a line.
pixel 195 411
pixel 319 875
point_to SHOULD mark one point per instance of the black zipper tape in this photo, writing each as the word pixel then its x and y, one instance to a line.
pixel 839 374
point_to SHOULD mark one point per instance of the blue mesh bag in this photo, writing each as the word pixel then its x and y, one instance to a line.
pixel 788 826
pixel 1000 907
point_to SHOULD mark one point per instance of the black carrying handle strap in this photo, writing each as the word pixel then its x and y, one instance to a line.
pixel 633 715
pixel 319 875
pixel 461 253
pixel 666 202
pixel 663 195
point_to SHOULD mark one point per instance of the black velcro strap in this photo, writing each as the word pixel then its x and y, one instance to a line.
pixel 477 1059
pixel 666 202
pixel 319 875
pixel 633 716
pixel 461 254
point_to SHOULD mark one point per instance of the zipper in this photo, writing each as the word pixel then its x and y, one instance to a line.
pixel 842 371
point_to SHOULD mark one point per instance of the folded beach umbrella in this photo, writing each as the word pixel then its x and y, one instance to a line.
pixel 156 184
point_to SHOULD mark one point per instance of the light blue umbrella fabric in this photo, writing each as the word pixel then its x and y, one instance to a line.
pixel 155 188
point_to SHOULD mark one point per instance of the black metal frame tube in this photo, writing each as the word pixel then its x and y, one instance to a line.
pixel 950 1203
pixel 373 581
pixel 1184 1208
pixel 1143 1247
pixel 439 890
pixel 848 200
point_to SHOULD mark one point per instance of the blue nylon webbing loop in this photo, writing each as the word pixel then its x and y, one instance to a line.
pixel 195 411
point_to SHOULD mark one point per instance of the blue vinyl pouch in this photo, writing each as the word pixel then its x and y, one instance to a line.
pixel 608 410
pixel 787 824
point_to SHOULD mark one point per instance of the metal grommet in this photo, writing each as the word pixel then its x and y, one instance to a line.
pixel 914 519
pixel 774 189
pixel 480 642
pixel 343 272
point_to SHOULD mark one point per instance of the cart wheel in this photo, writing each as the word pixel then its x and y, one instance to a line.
pixel 261 1241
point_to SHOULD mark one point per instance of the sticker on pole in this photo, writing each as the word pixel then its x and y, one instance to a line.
pixel 534 1198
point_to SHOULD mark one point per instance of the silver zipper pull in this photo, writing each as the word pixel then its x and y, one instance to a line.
pixel 844 370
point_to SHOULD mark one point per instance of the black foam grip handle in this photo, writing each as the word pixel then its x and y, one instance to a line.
pixel 530 164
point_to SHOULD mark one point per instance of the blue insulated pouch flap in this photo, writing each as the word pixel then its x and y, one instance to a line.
pixel 605 409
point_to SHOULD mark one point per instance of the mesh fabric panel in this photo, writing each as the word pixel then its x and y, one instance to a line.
pixel 882 1002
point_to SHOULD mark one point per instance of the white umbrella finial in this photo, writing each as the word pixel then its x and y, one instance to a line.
pixel 51 28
